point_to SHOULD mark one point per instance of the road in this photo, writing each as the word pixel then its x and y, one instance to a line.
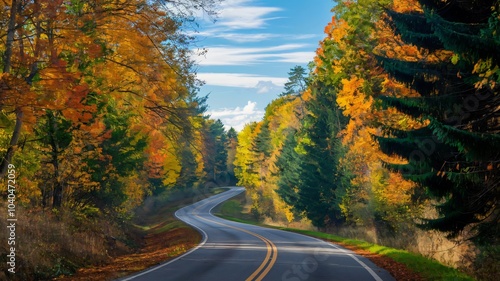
pixel 234 251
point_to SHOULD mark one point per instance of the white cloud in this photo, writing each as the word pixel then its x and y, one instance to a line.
pixel 296 57
pixel 242 80
pixel 245 37
pixel 249 17
pixel 238 117
pixel 238 37
pixel 241 14
pixel 224 55
pixel 264 87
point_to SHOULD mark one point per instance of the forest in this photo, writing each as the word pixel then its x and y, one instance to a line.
pixel 98 111
pixel 391 134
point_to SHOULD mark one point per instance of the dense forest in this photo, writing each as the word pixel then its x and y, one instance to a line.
pixel 393 133
pixel 98 111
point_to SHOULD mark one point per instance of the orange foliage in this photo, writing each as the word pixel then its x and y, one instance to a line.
pixel 352 100
pixel 156 154
pixel 404 6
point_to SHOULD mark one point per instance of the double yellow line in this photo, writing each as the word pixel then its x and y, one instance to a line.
pixel 271 255
pixel 269 260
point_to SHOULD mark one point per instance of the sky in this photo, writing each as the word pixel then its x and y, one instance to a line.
pixel 249 51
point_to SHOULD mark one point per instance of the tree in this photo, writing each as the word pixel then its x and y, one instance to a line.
pixel 321 188
pixel 122 154
pixel 243 162
pixel 289 165
pixel 232 143
pixel 215 152
pixel 297 81
pixel 455 157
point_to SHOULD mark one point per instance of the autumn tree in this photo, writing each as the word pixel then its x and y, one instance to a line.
pixel 101 99
pixel 243 162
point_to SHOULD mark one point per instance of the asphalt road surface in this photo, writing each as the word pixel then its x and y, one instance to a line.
pixel 234 251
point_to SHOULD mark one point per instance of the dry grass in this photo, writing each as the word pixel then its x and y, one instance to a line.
pixel 158 248
pixel 161 238
pixel 49 243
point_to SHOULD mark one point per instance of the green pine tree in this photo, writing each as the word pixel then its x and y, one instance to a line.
pixel 456 158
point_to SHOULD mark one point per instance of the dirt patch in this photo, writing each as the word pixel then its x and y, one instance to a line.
pixel 157 248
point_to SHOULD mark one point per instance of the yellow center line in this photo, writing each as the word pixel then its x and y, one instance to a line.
pixel 271 255
pixel 271 251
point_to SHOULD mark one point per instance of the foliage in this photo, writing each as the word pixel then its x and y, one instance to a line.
pixel 296 83
pixel 400 114
pixel 99 106
pixel 455 157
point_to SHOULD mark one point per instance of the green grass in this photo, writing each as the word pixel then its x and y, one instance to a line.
pixel 428 268
pixel 168 226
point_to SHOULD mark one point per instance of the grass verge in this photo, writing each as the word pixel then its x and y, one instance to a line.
pixel 421 268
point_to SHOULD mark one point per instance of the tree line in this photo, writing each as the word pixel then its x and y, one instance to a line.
pixel 400 115
pixel 99 110
pixel 99 105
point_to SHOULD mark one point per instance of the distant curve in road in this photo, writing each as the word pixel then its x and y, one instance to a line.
pixel 235 251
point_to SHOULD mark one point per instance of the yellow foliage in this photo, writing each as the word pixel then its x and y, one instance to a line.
pixel 405 6
pixel 171 167
pixel 135 187
pixel 351 98
pixel 340 31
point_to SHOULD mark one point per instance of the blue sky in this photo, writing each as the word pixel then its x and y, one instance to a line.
pixel 251 47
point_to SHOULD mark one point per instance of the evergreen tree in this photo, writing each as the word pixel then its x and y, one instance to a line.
pixel 232 142
pixel 297 81
pixel 188 176
pixel 289 166
pixel 456 157
pixel 215 155
pixel 262 145
pixel 309 180
pixel 321 184
pixel 123 153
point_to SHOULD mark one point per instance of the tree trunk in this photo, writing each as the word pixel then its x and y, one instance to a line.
pixel 57 195
pixel 58 188
pixel 13 143
pixel 7 60
pixel 11 30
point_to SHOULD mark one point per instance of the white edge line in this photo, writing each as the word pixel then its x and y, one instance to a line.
pixel 366 267
pixel 203 233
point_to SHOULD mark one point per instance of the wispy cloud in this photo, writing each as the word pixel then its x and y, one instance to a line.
pixel 239 21
pixel 225 55
pixel 237 37
pixel 241 14
pixel 238 117
pixel 242 80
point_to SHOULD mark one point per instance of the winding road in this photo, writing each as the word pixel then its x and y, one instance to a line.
pixel 235 251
